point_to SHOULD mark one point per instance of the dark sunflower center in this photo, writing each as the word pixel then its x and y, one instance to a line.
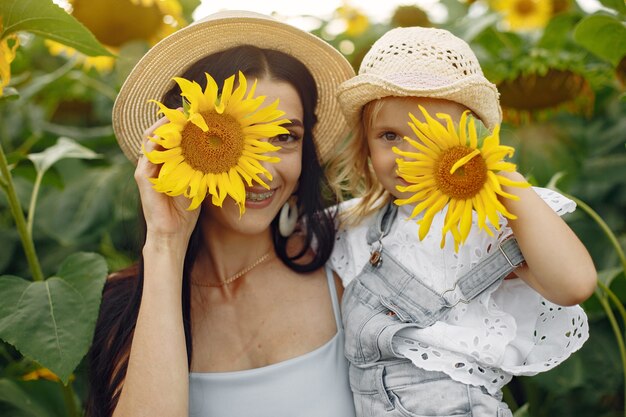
pixel 467 180
pixel 525 7
pixel 218 149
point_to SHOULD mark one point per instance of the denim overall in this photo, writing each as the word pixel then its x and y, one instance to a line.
pixel 386 298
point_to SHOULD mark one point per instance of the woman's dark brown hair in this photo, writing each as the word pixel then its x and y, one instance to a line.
pixel 108 356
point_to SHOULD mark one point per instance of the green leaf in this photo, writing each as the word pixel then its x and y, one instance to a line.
pixel 13 393
pixel 604 36
pixel 64 148
pixel 189 6
pixel 44 18
pixel 9 94
pixel 558 31
pixel 618 5
pixel 468 28
pixel 522 411
pixel 87 206
pixel 52 321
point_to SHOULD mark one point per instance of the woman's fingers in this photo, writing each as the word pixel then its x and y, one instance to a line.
pixel 146 169
pixel 163 214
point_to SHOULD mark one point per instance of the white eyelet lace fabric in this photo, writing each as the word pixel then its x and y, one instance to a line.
pixel 509 330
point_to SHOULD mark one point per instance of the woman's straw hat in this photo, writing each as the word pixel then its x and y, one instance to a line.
pixel 152 76
pixel 421 62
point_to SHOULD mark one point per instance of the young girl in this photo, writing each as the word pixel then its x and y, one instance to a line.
pixel 431 331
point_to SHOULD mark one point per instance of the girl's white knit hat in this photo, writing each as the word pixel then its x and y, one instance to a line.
pixel 421 62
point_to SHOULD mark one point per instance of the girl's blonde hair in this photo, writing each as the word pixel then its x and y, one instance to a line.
pixel 351 174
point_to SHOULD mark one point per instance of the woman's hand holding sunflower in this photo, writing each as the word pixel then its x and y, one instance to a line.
pixel 167 218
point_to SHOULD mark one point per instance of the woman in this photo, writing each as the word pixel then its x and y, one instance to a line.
pixel 226 315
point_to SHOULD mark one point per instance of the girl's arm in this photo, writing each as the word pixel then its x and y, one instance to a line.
pixel 157 378
pixel 557 264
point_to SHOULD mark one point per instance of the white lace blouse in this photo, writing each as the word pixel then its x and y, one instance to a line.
pixel 509 330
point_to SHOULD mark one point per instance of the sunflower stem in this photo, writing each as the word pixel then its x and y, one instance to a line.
pixel 98 86
pixel 20 221
pixel 605 228
pixel 618 334
pixel 69 398
pixel 618 303
pixel 33 203
pixel 26 145
pixel 607 292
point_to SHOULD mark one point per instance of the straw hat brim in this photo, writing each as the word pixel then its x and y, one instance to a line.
pixel 152 76
pixel 475 92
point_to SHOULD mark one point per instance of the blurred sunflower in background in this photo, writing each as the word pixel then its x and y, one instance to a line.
pixel 356 21
pixel 524 15
pixel 407 16
pixel 8 46
pixel 117 22
pixel 538 94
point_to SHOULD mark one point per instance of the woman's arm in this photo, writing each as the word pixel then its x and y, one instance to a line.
pixel 557 264
pixel 157 377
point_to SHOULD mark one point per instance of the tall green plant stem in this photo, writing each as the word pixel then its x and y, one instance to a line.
pixel 69 399
pixel 618 335
pixel 33 203
pixel 605 228
pixel 20 221
pixel 604 300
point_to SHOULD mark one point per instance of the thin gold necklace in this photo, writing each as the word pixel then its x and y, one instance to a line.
pixel 239 274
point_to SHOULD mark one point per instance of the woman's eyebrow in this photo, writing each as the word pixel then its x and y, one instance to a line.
pixel 294 123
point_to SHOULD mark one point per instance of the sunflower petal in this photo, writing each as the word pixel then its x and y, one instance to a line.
pixel 427 220
pixel 473 139
pixel 173 115
pixel 192 91
pixel 458 164
pixel 227 91
pixel 463 129
pixel 211 91
pixel 466 221
pixel 455 140
pixel 194 184
pixel 436 128
pixel 237 190
pixel 158 157
pixel 200 194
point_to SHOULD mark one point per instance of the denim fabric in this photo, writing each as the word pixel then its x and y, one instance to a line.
pixel 399 389
pixel 386 298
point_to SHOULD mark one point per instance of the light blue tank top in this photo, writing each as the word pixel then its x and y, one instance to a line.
pixel 312 385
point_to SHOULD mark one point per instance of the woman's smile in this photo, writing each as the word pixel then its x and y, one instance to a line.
pixel 259 198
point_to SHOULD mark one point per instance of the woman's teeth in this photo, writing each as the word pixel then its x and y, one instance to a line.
pixel 258 196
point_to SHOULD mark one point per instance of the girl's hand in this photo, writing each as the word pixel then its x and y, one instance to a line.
pixel 167 218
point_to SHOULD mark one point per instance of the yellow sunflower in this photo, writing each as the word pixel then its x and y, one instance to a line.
pixel 449 168
pixel 523 15
pixel 213 146
pixel 41 373
pixel 8 46
pixel 117 22
pixel 356 21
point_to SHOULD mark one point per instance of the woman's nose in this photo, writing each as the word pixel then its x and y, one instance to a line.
pixel 270 168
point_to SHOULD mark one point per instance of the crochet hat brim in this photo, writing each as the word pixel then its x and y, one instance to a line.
pixel 152 76
pixel 474 91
